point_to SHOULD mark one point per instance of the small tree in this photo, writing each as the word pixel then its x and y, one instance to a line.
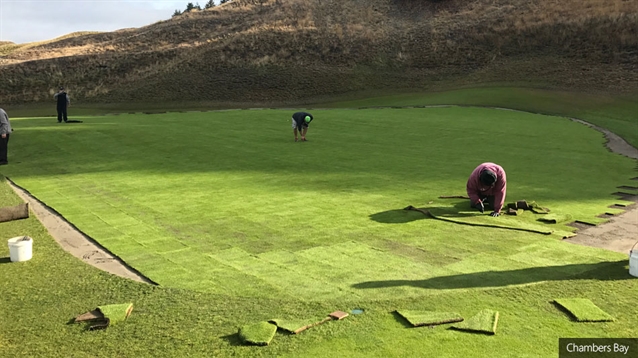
pixel 222 1
pixel 209 4
pixel 189 7
pixel 177 13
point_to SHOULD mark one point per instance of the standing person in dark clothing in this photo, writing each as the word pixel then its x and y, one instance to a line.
pixel 300 121
pixel 5 131
pixel 63 103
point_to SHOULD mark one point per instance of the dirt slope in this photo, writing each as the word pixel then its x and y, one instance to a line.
pixel 286 50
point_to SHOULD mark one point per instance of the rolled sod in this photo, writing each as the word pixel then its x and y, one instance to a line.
pixel 429 318
pixel 17 212
pixel 483 322
pixel 583 310
pixel 258 333
pixel 116 313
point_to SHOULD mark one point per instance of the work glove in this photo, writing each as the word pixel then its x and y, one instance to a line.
pixel 479 205
pixel 495 214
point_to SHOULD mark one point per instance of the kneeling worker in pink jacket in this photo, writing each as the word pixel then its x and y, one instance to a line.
pixel 487 185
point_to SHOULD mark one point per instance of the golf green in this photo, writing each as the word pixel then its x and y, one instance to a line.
pixel 226 202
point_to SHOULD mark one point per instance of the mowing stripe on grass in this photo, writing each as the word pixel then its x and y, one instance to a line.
pixel 280 276
pixel 226 279
pixel 211 189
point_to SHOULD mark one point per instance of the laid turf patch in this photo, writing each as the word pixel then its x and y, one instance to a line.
pixel 583 310
pixel 180 217
pixel 556 218
pixel 116 312
pixel 205 220
pixel 429 318
pixel 258 333
pixel 419 254
pixel 483 322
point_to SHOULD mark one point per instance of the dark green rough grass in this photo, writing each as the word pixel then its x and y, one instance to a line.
pixel 388 260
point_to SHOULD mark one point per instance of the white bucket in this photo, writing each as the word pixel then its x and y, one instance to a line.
pixel 633 261
pixel 20 248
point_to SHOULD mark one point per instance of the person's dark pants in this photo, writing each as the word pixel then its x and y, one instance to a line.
pixel 3 149
pixel 62 114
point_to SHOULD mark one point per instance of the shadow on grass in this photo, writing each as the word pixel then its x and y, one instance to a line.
pixel 402 216
pixel 611 271
pixel 398 216
pixel 5 260
pixel 471 332
pixel 233 339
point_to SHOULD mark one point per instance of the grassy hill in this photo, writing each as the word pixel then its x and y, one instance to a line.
pixel 284 51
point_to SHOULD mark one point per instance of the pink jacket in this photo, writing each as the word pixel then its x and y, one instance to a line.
pixel 476 189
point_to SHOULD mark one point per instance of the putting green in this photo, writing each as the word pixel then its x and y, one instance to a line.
pixel 227 202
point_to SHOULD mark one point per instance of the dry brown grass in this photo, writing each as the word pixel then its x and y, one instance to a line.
pixel 270 49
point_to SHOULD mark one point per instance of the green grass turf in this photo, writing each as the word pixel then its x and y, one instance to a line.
pixel 460 212
pixel 218 205
pixel 583 309
pixel 427 318
pixel 215 210
pixel 116 312
pixel 42 294
pixel 260 333
pixel 485 321
pixel 613 113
